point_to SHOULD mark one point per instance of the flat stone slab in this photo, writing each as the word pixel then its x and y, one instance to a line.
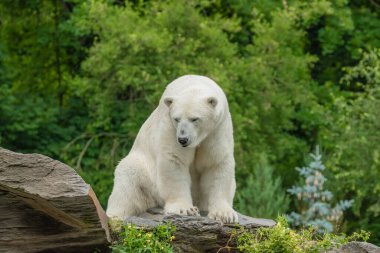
pixel 199 233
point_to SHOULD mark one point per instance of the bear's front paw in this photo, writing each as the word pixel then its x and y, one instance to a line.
pixel 181 209
pixel 225 215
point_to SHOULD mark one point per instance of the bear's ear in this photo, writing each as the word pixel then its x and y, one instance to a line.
pixel 168 101
pixel 213 101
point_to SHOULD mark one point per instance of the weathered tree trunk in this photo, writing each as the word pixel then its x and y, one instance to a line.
pixel 45 206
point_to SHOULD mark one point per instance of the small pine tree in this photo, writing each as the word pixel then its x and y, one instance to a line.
pixel 263 195
pixel 314 200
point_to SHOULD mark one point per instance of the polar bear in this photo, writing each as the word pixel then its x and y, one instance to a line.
pixel 182 157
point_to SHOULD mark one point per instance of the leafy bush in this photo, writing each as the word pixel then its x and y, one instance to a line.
pixel 133 239
pixel 282 239
pixel 353 142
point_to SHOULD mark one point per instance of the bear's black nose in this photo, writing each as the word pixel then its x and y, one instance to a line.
pixel 183 141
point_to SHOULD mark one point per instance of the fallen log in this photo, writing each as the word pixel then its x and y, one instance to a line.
pixel 45 206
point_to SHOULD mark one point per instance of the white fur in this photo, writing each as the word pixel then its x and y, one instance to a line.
pixel 159 171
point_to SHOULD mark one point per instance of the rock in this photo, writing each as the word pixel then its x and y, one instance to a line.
pixel 45 206
pixel 359 247
pixel 198 234
pixel 356 247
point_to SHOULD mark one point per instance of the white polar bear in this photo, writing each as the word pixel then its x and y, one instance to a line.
pixel 182 156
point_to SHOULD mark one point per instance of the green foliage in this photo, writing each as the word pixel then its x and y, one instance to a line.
pixel 356 124
pixel 36 51
pixel 269 114
pixel 38 111
pixel 133 239
pixel 282 239
pixel 262 195
pixel 366 74
pixel 129 65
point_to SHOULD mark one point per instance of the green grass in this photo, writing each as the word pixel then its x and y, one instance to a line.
pixel 134 239
pixel 282 239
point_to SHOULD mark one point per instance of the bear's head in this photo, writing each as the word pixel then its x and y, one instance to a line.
pixel 192 117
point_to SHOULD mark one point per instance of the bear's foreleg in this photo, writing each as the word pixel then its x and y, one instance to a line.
pixel 174 184
pixel 218 188
pixel 132 193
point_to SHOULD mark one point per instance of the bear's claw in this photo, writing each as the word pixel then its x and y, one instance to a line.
pixel 191 211
pixel 226 216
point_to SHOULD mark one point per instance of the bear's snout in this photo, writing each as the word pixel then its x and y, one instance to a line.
pixel 183 141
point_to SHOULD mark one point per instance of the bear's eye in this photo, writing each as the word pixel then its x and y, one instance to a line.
pixel 194 119
pixel 176 119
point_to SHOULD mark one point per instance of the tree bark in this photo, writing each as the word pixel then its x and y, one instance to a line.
pixel 45 206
